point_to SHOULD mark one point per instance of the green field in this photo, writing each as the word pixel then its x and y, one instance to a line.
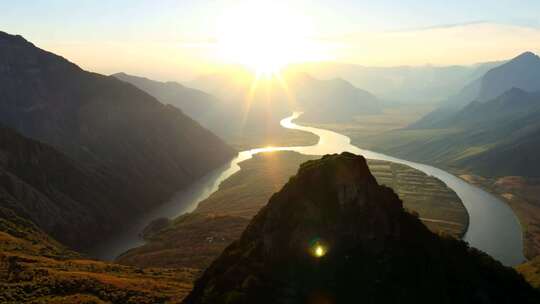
pixel 437 205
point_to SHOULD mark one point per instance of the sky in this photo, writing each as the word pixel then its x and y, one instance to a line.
pixel 176 40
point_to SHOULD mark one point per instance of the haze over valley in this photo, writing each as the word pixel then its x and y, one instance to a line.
pixel 269 152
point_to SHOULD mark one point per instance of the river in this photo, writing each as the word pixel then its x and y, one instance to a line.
pixel 493 227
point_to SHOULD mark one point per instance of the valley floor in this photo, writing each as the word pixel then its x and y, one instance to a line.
pixel 278 137
pixel 165 268
pixel 365 130
pixel 196 239
pixel 260 132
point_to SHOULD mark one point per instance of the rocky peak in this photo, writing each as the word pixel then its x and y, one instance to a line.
pixel 333 235
pixel 7 38
pixel 327 200
pixel 526 57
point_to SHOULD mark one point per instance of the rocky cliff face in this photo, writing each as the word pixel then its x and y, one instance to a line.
pixel 140 150
pixel 333 235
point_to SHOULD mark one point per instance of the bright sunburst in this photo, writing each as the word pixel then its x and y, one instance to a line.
pixel 264 37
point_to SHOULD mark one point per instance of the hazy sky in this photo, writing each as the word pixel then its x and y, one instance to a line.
pixel 173 39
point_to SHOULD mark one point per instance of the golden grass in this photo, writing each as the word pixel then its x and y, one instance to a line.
pixel 61 276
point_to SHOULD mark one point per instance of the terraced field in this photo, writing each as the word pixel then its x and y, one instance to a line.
pixel 437 205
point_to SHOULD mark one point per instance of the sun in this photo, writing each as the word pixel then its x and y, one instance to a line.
pixel 263 36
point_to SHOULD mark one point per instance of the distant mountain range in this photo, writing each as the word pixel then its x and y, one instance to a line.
pixel 493 124
pixel 521 72
pixel 331 100
pixel 119 151
pixel 293 91
pixel 246 105
pixel 403 84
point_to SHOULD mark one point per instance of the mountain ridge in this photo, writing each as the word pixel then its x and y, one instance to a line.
pixel 196 104
pixel 107 126
pixel 522 72
pixel 491 128
pixel 402 84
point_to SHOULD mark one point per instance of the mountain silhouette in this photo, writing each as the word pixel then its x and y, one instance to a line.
pixel 333 235
pixel 142 150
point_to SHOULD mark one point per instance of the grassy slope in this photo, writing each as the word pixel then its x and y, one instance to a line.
pixel 531 271
pixel 194 240
pixel 436 204
pixel 36 269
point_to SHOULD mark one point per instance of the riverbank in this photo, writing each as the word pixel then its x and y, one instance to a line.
pixel 523 196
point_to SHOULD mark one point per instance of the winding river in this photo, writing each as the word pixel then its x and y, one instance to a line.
pixel 493 227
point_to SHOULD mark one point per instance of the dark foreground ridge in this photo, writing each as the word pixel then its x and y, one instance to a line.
pixel 333 235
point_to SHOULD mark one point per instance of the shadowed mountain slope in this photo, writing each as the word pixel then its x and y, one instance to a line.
pixel 492 138
pixel 491 128
pixel 522 72
pixel 70 201
pixel 126 149
pixel 197 104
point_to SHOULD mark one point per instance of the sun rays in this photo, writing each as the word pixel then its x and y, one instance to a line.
pixel 267 90
pixel 263 36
